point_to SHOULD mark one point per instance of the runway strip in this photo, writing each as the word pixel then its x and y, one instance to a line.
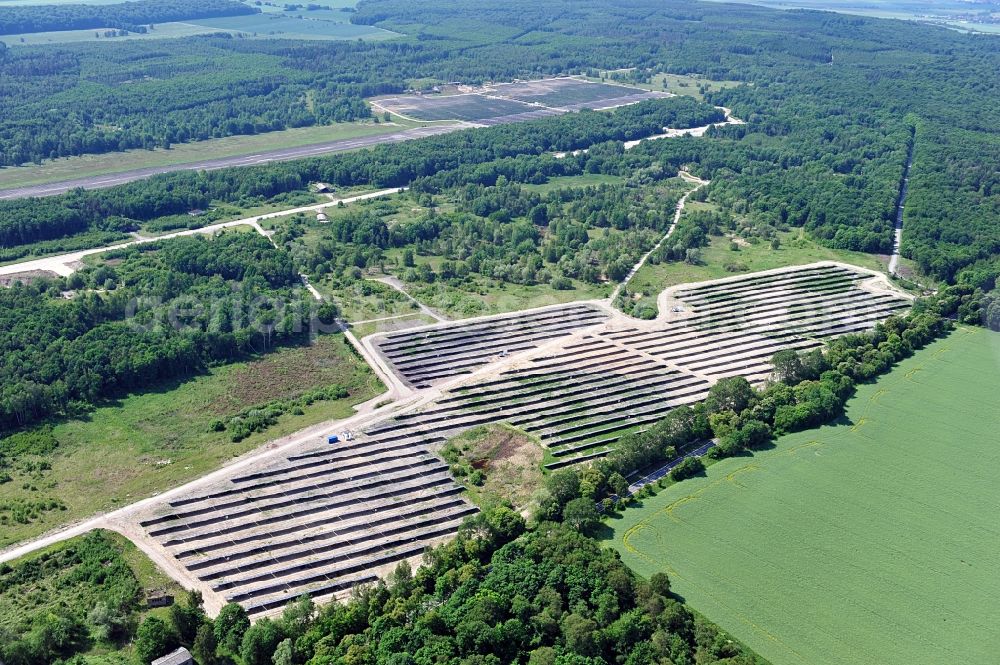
pixel 283 154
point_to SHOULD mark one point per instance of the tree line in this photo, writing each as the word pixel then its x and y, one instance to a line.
pixel 500 592
pixel 809 389
pixel 132 16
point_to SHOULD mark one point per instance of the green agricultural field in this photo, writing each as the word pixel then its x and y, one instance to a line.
pixel 330 23
pixel 167 30
pixel 141 444
pixel 21 3
pixel 872 540
pixel 310 25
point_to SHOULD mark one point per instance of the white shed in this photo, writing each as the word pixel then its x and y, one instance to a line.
pixel 180 657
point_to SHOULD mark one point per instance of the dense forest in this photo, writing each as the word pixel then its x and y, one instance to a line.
pixel 164 310
pixel 30 220
pixel 63 100
pixel 133 16
pixel 833 105
pixel 499 593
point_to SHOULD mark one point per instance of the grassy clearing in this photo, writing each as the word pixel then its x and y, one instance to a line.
pixel 366 299
pixel 796 248
pixel 146 443
pixel 488 296
pixel 689 85
pixel 869 540
pixel 496 463
pixel 86 166
pixel 585 180
pixel 389 325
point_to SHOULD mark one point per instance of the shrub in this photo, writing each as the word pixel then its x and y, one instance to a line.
pixel 690 467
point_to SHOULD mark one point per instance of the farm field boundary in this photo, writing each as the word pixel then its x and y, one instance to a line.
pixel 882 523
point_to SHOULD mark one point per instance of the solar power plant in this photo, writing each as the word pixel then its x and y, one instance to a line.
pixel 317 522
pixel 334 516
pixel 471 107
pixel 573 94
pixel 580 399
pixel 428 355
pixel 517 102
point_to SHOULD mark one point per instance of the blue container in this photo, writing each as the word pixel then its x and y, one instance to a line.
pixel 333 438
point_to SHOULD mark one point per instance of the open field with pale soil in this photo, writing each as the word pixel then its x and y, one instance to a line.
pixel 882 524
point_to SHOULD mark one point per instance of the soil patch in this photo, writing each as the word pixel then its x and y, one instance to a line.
pixel 496 463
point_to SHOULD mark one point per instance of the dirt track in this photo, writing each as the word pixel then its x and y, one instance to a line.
pixel 66 264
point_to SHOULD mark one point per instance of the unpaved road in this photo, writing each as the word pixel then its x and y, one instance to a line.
pixel 66 264
pixel 398 285
pixel 897 233
pixel 280 155
pixel 699 183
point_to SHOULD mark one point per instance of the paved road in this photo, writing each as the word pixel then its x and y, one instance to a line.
pixel 283 154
